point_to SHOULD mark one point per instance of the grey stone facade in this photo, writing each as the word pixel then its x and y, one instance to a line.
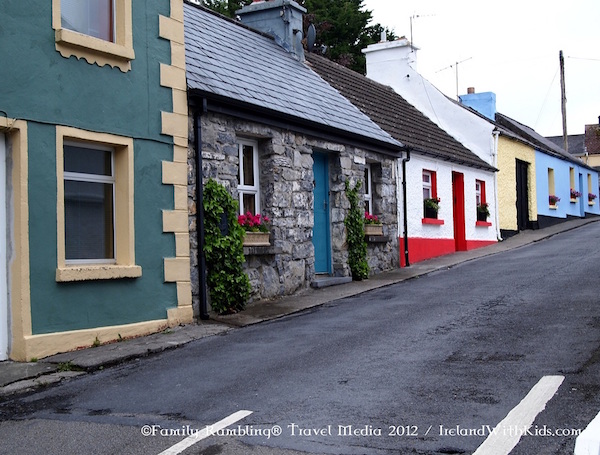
pixel 286 195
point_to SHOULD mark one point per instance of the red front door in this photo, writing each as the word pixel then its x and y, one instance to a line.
pixel 458 205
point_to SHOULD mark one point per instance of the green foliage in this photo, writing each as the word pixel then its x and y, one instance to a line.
pixel 355 232
pixel 226 7
pixel 343 27
pixel 229 285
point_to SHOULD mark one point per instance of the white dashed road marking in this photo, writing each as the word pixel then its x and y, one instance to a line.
pixel 504 438
pixel 206 432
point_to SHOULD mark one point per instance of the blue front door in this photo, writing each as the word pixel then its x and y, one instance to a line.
pixel 321 230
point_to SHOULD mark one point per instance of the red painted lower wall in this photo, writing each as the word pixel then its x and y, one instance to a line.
pixel 420 249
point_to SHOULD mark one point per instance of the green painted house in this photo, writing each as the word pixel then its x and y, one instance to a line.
pixel 93 141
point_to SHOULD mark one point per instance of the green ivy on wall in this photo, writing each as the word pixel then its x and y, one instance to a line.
pixel 355 232
pixel 223 247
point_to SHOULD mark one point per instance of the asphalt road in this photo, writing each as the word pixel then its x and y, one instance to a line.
pixel 427 366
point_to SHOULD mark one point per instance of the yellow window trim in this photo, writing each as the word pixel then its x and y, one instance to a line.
pixel 124 218
pixel 94 50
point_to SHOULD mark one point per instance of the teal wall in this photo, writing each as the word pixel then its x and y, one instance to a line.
pixel 45 89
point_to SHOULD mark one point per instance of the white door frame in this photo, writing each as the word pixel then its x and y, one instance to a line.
pixel 3 279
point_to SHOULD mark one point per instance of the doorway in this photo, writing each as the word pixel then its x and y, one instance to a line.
pixel 458 206
pixel 522 195
pixel 321 229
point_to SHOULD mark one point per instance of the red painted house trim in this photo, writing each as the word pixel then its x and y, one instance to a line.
pixel 432 221
pixel 421 249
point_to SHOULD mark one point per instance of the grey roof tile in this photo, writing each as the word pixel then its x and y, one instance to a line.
pixel 394 114
pixel 227 59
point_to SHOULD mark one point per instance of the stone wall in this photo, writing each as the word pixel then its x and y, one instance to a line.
pixel 286 185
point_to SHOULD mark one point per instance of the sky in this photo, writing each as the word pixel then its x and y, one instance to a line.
pixel 510 48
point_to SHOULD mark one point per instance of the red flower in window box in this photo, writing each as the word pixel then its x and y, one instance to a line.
pixel 254 223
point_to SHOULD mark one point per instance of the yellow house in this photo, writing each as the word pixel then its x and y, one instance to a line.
pixel 517 199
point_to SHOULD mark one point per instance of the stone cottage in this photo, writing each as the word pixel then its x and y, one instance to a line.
pixel 283 142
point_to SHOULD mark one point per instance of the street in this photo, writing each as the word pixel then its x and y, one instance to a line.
pixel 427 366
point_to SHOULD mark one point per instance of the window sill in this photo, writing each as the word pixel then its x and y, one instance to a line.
pixel 591 203
pixel 94 50
pixel 553 207
pixel 573 201
pixel 262 250
pixel 483 223
pixel 377 238
pixel 434 221
pixel 97 272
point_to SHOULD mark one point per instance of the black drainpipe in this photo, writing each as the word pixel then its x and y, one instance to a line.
pixel 200 211
pixel 404 203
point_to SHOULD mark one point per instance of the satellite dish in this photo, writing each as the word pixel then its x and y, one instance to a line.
pixel 311 37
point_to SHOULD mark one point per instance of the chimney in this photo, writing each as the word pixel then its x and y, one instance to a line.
pixel 280 18
pixel 484 103
pixel 387 60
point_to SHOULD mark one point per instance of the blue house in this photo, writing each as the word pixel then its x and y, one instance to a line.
pixel 93 131
pixel 565 186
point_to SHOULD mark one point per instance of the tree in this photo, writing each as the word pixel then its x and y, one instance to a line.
pixel 226 7
pixel 343 30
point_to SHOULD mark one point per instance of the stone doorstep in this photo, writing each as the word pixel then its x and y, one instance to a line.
pixel 325 282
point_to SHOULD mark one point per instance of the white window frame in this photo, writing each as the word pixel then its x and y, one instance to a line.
pixel 478 199
pixel 369 188
pixel 248 189
pixel 96 178
pixel 427 185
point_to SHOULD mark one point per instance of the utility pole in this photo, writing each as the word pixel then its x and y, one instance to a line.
pixel 563 100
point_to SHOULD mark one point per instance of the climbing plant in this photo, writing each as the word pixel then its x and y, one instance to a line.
pixel 223 247
pixel 355 233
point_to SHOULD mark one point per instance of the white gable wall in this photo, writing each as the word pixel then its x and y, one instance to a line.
pixel 392 63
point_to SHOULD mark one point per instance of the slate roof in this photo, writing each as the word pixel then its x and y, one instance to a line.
pixel 540 142
pixel 394 114
pixel 230 61
pixel 576 143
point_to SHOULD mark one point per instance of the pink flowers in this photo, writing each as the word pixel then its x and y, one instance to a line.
pixel 371 219
pixel 552 199
pixel 254 223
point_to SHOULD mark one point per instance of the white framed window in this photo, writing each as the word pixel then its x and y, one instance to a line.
pixel 95 206
pixel 89 17
pixel 368 189
pixel 248 177
pixel 427 185
pixel 89 189
pixel 478 193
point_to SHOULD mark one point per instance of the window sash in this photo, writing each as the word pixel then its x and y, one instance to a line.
pixel 427 185
pixel 89 200
pixel 90 17
pixel 248 177
pixel 368 189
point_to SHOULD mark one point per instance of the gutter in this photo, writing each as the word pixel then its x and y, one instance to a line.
pixel 265 116
pixel 405 160
pixel 495 136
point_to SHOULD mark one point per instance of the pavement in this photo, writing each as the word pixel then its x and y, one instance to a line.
pixel 21 377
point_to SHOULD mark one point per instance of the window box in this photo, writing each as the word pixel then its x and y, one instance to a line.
pixel 257 239
pixel 430 212
pixel 373 229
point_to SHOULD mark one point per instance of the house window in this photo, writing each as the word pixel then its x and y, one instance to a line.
pixel 429 184
pixel 99 31
pixel 89 184
pixel 572 178
pixel 368 189
pixel 95 206
pixel 480 192
pixel 89 17
pixel 248 188
pixel 551 187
